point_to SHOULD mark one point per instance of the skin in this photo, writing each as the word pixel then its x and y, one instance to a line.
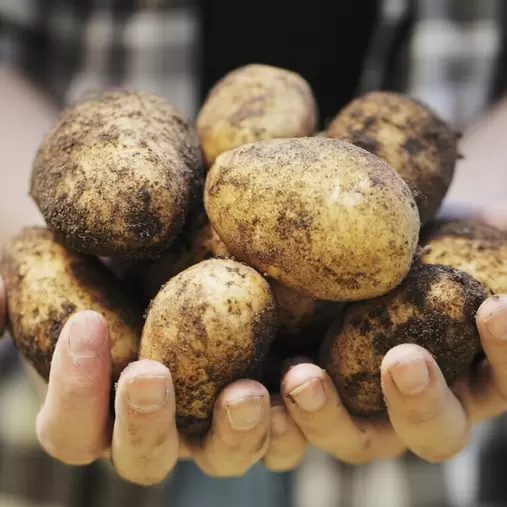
pixel 418 421
pixel 270 199
pixel 255 102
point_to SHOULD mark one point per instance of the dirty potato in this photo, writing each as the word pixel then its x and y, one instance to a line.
pixel 319 215
pixel 46 284
pixel 409 136
pixel 117 173
pixel 210 325
pixel 255 102
pixel 473 247
pixel 434 307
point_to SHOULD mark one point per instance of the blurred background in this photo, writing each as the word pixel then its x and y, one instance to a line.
pixel 447 59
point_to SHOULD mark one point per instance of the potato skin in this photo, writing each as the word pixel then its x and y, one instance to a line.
pixel 46 284
pixel 255 102
pixel 473 247
pixel 117 173
pixel 409 136
pixel 210 325
pixel 433 307
pixel 319 215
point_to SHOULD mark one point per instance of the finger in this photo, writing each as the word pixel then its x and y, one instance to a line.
pixel 315 406
pixel 73 424
pixel 287 444
pixel 3 307
pixel 484 393
pixel 239 436
pixel 423 411
pixel 145 439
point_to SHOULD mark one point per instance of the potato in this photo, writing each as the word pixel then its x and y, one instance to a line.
pixel 46 284
pixel 117 173
pixel 434 307
pixel 210 325
pixel 319 215
pixel 303 320
pixel 473 247
pixel 196 243
pixel 255 102
pixel 409 136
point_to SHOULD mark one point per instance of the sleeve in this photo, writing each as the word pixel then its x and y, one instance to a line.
pixel 325 41
pixel 499 82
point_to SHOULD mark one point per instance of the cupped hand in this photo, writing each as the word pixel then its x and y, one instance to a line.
pixel 424 414
pixel 75 427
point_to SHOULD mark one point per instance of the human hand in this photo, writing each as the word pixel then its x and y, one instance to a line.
pixel 74 424
pixel 425 415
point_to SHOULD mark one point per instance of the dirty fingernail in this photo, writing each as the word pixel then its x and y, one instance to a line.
pixel 147 394
pixel 245 413
pixel 86 338
pixel 411 377
pixel 496 321
pixel 309 396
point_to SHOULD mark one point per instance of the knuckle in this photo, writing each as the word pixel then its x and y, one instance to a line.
pixel 420 417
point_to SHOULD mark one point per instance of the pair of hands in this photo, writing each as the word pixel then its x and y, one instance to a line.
pixel 425 416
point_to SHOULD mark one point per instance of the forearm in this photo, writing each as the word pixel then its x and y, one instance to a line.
pixel 25 115
pixel 481 176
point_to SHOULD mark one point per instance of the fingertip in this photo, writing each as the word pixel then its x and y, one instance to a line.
pixel 82 350
pixel 243 387
pixel 401 354
pixel 145 387
pixel 406 369
pixel 492 316
pixel 300 374
pixel 279 421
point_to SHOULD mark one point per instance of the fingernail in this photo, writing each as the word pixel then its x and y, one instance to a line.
pixel 85 339
pixel 245 413
pixel 309 396
pixel 278 422
pixel 411 377
pixel 496 321
pixel 147 394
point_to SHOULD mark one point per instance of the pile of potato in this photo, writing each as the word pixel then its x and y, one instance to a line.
pixel 255 238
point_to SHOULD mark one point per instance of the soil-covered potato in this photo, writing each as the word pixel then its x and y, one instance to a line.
pixel 117 173
pixel 409 136
pixel 255 102
pixel 210 325
pixel 434 307
pixel 319 215
pixel 46 284
pixel 471 246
